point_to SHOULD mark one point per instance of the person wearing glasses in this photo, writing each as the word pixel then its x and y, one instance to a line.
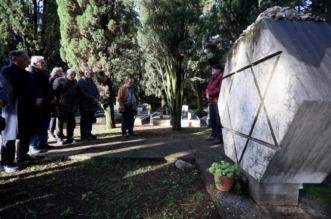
pixel 89 103
pixel 66 91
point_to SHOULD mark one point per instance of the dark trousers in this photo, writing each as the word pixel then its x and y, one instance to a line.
pixel 86 120
pixel 60 122
pixel 40 139
pixel 8 150
pixel 127 120
pixel 215 121
pixel 71 124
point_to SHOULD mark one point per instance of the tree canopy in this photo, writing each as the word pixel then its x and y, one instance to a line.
pixel 97 33
pixel 167 38
pixel 32 26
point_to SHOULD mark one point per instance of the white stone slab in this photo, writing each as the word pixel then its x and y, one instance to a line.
pixel 256 159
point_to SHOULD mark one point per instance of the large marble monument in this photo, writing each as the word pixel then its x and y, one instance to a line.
pixel 275 107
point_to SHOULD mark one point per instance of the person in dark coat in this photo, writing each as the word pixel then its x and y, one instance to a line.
pixel 89 102
pixel 38 69
pixel 3 102
pixel 20 112
pixel 57 72
pixel 66 91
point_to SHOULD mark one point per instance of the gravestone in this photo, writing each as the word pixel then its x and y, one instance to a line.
pixel 275 106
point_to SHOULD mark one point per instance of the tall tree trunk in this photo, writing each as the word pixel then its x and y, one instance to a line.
pixel 111 114
pixel 163 99
pixel 177 100
pixel 199 96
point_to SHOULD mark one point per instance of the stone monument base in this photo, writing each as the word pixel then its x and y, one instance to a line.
pixel 273 193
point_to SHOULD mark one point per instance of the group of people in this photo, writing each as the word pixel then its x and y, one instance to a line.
pixel 31 102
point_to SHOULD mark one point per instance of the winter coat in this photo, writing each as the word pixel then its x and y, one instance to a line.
pixel 4 100
pixel 122 98
pixel 88 91
pixel 214 87
pixel 20 112
pixel 3 96
pixel 45 87
pixel 67 94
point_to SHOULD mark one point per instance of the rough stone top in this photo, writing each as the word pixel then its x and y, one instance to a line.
pixel 285 13
pixel 281 13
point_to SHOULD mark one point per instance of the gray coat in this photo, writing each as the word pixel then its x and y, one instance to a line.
pixel 88 92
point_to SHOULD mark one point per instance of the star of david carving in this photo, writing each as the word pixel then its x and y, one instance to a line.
pixel 261 108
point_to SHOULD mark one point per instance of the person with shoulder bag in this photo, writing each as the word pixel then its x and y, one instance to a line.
pixel 128 107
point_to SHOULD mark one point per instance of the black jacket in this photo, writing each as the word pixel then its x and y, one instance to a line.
pixel 67 94
pixel 45 87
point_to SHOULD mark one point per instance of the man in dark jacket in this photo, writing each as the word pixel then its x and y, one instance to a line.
pixel 212 93
pixel 66 91
pixel 38 69
pixel 89 102
pixel 20 112
pixel 3 102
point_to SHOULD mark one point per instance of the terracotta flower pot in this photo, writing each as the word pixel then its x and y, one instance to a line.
pixel 226 183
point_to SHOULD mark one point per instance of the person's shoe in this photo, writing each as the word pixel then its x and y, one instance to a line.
pixel 125 136
pixel 46 147
pixel 52 138
pixel 59 142
pixel 133 134
pixel 217 141
pixel 68 142
pixel 93 137
pixel 211 138
pixel 86 139
pixel 28 158
pixel 10 168
pixel 61 136
pixel 34 150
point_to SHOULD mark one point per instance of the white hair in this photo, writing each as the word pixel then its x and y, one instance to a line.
pixel 55 71
pixel 35 59
pixel 71 71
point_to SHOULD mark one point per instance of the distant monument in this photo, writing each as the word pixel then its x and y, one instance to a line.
pixel 275 104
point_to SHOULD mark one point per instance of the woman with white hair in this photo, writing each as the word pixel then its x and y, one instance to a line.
pixel 57 72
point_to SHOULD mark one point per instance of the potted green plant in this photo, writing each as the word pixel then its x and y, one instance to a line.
pixel 224 175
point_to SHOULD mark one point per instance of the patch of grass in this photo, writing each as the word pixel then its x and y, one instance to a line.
pixel 105 188
pixel 68 212
pixel 321 191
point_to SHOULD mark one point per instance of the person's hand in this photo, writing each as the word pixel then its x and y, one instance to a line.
pixel 207 95
pixel 38 102
pixel 121 109
pixel 1 103
pixel 95 101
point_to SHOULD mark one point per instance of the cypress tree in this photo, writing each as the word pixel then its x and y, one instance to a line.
pixel 99 34
pixel 31 26
pixel 166 36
